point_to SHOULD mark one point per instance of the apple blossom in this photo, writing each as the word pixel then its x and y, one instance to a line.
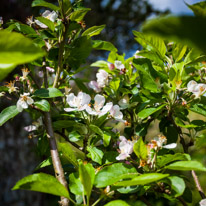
pixel 24 101
pixel 94 85
pixel 195 88
pixel 79 102
pixel 126 148
pixel 52 16
pixel 203 202
pixel 119 65
pixel 25 73
pixel 116 113
pixel 102 78
pixel 99 108
pixel 11 87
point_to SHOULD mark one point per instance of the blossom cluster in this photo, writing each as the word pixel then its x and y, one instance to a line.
pixel 82 102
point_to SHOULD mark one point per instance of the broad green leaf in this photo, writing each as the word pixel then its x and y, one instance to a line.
pixel 142 179
pixel 47 22
pixel 48 93
pixel 140 149
pixel 106 138
pixel 187 30
pixel 147 74
pixel 68 153
pixel 79 14
pixel 113 173
pixel 67 6
pixel 199 108
pixel 41 182
pixel 95 154
pixel 7 114
pixel 45 163
pixel 103 45
pixel 117 203
pixel 151 43
pixel 100 63
pixel 194 57
pixel 148 111
pixel 74 136
pixel 75 184
pixel 79 50
pixel 16 49
pixel 199 8
pixel 180 123
pixel 87 174
pixel 169 158
pixel 43 105
pixel 96 129
pixel 179 52
pixel 177 184
pixel 114 84
pixel 92 31
pixel 186 165
pixel 23 28
pixel 44 4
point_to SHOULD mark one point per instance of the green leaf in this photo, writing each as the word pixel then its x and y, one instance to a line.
pixel 114 84
pixel 79 14
pixel 68 153
pixel 194 57
pixel 199 108
pixel 199 8
pixel 79 50
pixel 95 154
pixel 92 31
pixel 168 158
pixel 43 105
pixel 23 28
pixel 87 174
pixel 100 63
pixel 16 49
pixel 48 93
pixel 179 52
pixel 180 123
pixel 75 184
pixel 142 179
pixel 177 184
pixel 103 45
pixel 41 182
pixel 113 173
pixel 106 138
pixel 151 43
pixel 96 130
pixel 117 203
pixel 148 111
pixel 45 163
pixel 186 165
pixel 44 4
pixel 140 149
pixel 47 22
pixel 187 30
pixel 7 114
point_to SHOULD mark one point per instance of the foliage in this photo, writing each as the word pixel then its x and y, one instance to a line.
pixel 99 146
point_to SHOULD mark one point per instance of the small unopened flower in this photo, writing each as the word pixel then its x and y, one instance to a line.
pixel 49 69
pixel 24 101
pixel 99 108
pixel 136 56
pixel 102 78
pixel 126 148
pixel 25 73
pixel 196 89
pixel 52 16
pixel 111 66
pixel 124 102
pixel 11 87
pixel 34 126
pixel 78 103
pixel 119 65
pixel 203 202
pixel 30 20
pixel 94 85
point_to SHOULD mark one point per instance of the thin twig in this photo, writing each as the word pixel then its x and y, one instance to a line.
pixel 182 201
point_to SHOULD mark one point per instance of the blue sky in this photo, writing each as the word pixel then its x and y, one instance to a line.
pixel 177 7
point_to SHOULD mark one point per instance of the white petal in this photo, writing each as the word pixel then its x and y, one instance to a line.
pixel 203 202
pixel 191 85
pixel 71 100
pixel 94 85
pixel 29 100
pixel 30 128
pixel 106 108
pixel 91 111
pixel 19 107
pixel 99 102
pixel 70 109
pixel 170 146
pixel 43 26
pixel 119 65
pixel 46 13
pixel 53 16
pixel 122 156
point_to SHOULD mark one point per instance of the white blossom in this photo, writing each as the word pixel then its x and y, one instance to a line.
pixel 203 202
pixel 11 87
pixel 126 148
pixel 196 89
pixel 99 108
pixel 94 85
pixel 34 126
pixel 24 101
pixel 119 65
pixel 79 102
pixel 102 78
pixel 52 16
pixel 25 73
pixel 116 113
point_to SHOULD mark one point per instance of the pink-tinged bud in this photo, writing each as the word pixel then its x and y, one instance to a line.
pixel 17 78
pixel 111 66
pixel 49 69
